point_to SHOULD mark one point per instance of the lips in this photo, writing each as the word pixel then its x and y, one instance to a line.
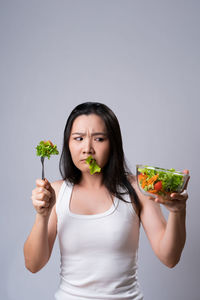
pixel 84 159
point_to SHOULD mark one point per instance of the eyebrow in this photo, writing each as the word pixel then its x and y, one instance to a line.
pixel 93 134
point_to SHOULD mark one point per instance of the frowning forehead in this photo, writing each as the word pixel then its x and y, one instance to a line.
pixel 89 124
pixel 92 134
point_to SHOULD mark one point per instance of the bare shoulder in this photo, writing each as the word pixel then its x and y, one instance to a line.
pixel 133 181
pixel 131 178
pixel 56 185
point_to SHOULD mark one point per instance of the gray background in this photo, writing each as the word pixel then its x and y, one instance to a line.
pixel 141 58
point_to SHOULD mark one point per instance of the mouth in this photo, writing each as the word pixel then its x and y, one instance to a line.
pixel 87 158
pixel 91 161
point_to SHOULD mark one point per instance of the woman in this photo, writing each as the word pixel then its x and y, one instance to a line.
pixel 97 217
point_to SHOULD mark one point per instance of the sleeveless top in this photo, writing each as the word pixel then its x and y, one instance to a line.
pixel 98 252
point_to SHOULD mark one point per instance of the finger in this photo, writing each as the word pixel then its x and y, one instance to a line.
pixel 40 204
pixel 44 197
pixel 48 193
pixel 159 200
pixel 41 197
pixel 151 198
pixel 187 183
pixel 42 183
pixel 179 196
pixel 186 171
pixel 47 183
pixel 176 199
pixel 39 190
pixel 168 202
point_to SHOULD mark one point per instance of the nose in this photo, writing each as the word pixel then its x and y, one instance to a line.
pixel 87 147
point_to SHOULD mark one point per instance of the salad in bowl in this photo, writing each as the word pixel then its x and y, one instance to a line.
pixel 153 181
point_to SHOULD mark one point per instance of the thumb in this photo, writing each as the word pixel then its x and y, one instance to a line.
pixel 49 187
pixel 186 171
pixel 186 184
pixel 47 183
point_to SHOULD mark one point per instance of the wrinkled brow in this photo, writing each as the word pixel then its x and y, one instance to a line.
pixel 93 134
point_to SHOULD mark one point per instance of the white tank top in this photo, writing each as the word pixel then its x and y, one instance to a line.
pixel 98 252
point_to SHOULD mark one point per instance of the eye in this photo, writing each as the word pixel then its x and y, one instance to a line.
pixel 78 138
pixel 100 139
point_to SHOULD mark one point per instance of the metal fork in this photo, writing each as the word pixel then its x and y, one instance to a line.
pixel 42 161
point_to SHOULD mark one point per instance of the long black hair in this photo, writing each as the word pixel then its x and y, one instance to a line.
pixel 116 172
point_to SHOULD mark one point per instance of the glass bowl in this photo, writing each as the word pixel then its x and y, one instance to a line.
pixel 153 181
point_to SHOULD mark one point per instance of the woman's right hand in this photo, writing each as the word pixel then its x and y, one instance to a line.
pixel 43 197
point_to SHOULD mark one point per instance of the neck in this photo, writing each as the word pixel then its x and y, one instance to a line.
pixel 89 181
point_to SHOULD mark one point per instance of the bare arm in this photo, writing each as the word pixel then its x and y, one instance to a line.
pixel 39 244
pixel 167 238
pixel 173 239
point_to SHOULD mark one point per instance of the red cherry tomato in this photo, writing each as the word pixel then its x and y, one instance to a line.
pixel 158 186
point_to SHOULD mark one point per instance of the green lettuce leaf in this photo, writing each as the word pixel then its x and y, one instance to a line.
pixel 92 165
pixel 46 149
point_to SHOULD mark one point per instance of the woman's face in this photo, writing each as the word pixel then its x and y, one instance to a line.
pixel 89 137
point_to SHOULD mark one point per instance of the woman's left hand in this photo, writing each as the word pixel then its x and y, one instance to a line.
pixel 175 202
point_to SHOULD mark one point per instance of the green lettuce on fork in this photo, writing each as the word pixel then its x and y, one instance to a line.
pixel 46 149
pixel 92 165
